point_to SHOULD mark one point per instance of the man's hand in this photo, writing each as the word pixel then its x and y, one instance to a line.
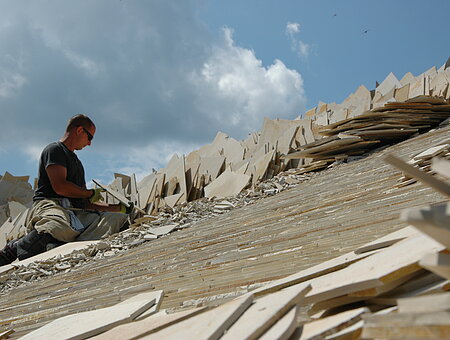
pixel 96 195
pixel 126 210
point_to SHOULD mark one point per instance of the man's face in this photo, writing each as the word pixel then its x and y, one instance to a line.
pixel 84 136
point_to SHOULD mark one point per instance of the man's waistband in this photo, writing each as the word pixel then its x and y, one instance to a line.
pixel 63 202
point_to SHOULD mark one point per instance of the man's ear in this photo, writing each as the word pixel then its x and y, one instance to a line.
pixel 79 130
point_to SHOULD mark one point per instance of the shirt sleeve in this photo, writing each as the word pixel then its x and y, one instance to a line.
pixel 53 155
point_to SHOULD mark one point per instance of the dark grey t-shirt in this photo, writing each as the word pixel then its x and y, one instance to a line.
pixel 57 153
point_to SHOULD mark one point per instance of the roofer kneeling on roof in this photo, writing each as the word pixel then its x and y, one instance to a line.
pixel 52 219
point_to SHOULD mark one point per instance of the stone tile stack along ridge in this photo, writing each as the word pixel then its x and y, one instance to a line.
pixel 385 125
pixel 366 120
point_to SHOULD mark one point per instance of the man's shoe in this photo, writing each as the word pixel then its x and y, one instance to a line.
pixel 54 245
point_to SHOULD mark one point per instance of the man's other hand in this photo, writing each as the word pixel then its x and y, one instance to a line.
pixel 96 195
pixel 126 210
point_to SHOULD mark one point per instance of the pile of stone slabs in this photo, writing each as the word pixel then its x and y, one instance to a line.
pixel 220 169
pixel 422 305
pixel 415 114
pixel 13 188
pixel 350 292
pixel 227 184
pixel 15 199
pixel 332 118
pixel 392 123
pixel 433 82
pixel 423 161
pixel 125 186
pixel 14 227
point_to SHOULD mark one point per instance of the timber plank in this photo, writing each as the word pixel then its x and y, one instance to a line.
pixel 6 334
pixel 87 324
pixel 428 283
pixel 227 184
pixel 331 324
pixel 152 324
pixel 265 312
pixel 374 271
pixel 427 179
pixel 438 263
pixel 425 304
pixel 208 325
pixel 441 166
pixel 387 240
pixel 283 328
pixel 432 220
pixel 407 326
pixel 312 272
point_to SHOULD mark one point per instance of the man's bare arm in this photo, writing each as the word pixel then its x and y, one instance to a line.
pixel 58 174
pixel 58 179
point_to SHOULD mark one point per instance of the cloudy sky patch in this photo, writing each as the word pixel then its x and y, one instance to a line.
pixel 161 77
pixel 235 91
pixel 150 74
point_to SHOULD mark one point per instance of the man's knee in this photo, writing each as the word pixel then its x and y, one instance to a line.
pixel 49 217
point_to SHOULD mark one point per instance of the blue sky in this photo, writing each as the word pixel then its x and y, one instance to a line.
pixel 403 36
pixel 160 77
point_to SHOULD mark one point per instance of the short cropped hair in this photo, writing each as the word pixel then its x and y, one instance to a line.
pixel 79 120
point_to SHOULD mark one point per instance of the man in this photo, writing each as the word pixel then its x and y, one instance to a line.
pixel 63 209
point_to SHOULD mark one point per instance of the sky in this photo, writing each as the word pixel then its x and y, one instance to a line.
pixel 161 77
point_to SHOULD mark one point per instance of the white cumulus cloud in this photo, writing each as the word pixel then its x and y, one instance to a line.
pixel 301 48
pixel 292 28
pixel 236 91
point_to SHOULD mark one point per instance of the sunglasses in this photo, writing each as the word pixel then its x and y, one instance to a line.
pixel 90 137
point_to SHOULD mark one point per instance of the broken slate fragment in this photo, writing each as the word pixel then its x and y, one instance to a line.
pixel 159 231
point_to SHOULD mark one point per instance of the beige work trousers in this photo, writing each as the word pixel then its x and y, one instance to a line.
pixel 47 216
